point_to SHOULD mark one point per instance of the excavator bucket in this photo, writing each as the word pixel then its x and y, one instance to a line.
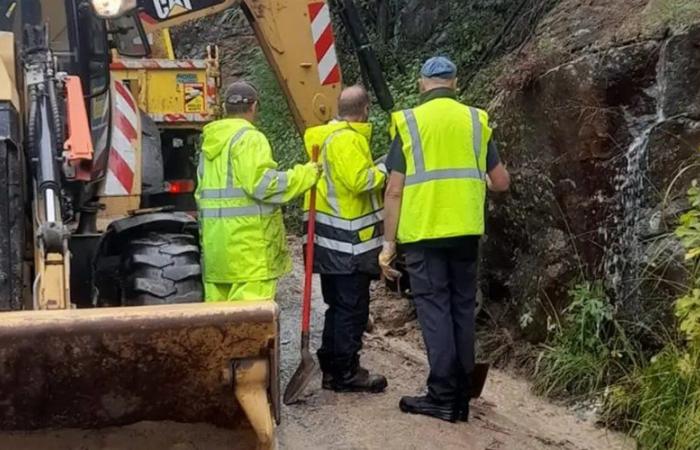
pixel 91 368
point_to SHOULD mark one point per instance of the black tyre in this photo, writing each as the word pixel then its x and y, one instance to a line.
pixel 162 269
pixel 12 227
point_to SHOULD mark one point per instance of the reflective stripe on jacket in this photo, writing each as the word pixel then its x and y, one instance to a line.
pixel 238 194
pixel 445 145
pixel 349 202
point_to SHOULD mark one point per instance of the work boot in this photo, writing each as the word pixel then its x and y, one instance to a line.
pixel 360 381
pixel 462 408
pixel 327 369
pixel 327 382
pixel 464 396
pixel 428 407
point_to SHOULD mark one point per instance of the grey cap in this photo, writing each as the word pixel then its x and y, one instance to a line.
pixel 241 92
pixel 439 67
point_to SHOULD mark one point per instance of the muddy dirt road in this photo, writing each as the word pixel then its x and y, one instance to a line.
pixel 507 417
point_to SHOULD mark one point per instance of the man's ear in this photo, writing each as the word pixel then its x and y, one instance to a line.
pixel 453 84
pixel 421 85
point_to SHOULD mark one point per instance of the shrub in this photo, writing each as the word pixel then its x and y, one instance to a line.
pixel 660 403
pixel 587 351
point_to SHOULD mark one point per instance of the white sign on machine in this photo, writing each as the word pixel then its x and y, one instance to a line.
pixel 165 7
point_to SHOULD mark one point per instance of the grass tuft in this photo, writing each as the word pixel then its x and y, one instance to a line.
pixel 660 403
pixel 587 351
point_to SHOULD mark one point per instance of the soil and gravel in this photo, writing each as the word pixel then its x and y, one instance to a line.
pixel 508 416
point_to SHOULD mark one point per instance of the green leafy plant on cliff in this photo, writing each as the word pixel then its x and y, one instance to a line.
pixel 587 350
pixel 671 13
pixel 688 306
pixel 660 402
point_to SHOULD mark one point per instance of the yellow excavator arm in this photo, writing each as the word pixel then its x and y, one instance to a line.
pixel 196 362
pixel 295 35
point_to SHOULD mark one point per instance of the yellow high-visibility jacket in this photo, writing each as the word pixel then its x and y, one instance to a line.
pixel 349 201
pixel 445 145
pixel 238 195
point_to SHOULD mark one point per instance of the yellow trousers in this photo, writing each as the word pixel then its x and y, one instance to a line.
pixel 232 292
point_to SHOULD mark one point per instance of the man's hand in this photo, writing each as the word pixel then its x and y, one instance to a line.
pixel 386 258
pixel 318 168
pixel 498 179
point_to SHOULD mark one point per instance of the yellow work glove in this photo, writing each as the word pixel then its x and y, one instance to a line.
pixel 386 258
pixel 319 169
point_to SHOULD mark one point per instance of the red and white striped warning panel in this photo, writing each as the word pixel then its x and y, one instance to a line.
pixel 182 118
pixel 121 166
pixel 322 32
pixel 124 64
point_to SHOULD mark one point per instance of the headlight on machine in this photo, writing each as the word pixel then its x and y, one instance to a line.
pixel 110 9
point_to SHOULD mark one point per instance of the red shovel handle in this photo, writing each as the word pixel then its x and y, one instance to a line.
pixel 309 269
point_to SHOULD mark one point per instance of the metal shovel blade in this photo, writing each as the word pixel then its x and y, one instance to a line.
pixel 481 371
pixel 301 376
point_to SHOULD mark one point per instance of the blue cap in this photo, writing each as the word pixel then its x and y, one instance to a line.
pixel 439 67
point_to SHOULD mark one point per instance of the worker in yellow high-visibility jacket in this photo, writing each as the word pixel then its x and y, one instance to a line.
pixel 441 161
pixel 239 193
pixel 348 239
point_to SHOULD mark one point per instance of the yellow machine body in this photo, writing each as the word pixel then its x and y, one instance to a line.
pixel 218 363
pixel 175 93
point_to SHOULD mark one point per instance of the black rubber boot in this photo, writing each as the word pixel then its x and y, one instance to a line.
pixel 327 369
pixel 463 398
pixel 463 409
pixel 360 381
pixel 428 407
pixel 327 382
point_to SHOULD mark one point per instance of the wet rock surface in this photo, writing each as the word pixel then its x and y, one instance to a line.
pixel 595 143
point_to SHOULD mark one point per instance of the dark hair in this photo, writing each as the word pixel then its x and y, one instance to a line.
pixel 353 101
pixel 234 109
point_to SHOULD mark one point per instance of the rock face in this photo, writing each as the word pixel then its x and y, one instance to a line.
pixel 419 20
pixel 596 143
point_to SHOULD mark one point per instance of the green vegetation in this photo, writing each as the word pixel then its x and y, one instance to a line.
pixel 464 38
pixel 655 397
pixel 588 350
pixel 275 119
pixel 660 403
pixel 673 13
pixel 405 91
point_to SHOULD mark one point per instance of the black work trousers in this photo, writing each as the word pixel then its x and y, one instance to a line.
pixel 443 283
pixel 347 297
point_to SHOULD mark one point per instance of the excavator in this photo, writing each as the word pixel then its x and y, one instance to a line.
pixel 102 318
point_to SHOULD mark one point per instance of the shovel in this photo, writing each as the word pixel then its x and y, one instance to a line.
pixel 481 371
pixel 303 374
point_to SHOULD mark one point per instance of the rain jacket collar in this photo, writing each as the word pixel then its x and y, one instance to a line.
pixel 216 135
pixel 441 92
pixel 318 135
